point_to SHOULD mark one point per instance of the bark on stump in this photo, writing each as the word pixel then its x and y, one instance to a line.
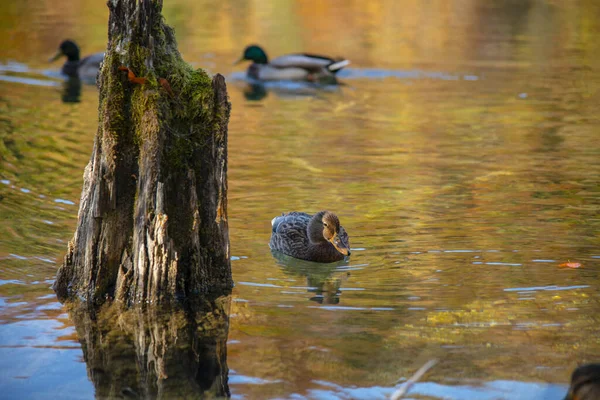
pixel 152 223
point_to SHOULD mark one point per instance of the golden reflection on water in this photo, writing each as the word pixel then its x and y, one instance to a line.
pixel 461 155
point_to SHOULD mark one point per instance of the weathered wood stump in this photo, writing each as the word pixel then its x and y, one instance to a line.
pixel 152 224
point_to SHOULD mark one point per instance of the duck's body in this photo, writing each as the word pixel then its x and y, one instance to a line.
pixel 291 67
pixel 85 69
pixel 585 383
pixel 318 237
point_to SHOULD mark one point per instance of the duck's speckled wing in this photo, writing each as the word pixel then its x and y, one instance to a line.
pixel 289 234
pixel 343 235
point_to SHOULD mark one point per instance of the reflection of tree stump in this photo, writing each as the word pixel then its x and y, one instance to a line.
pixel 152 222
pixel 153 354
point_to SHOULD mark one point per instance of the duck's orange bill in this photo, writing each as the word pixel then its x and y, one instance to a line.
pixel 335 241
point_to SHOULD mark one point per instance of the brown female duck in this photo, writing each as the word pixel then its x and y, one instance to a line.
pixel 585 383
pixel 318 237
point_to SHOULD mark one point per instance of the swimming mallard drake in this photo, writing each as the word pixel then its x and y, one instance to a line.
pixel 290 67
pixel 585 383
pixel 85 69
pixel 318 237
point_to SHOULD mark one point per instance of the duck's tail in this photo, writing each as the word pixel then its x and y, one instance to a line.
pixel 338 65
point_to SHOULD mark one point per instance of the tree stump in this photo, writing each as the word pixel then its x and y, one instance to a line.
pixel 152 223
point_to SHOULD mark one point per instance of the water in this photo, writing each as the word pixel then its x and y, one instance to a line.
pixel 461 154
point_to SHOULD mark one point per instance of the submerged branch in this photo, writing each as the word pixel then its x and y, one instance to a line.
pixel 412 380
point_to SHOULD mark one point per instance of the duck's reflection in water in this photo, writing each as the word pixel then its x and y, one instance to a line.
pixel 156 353
pixel 71 90
pixel 256 90
pixel 324 280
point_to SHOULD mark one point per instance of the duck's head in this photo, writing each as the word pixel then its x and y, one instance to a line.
pixel 325 226
pixel 255 54
pixel 69 49
pixel 585 383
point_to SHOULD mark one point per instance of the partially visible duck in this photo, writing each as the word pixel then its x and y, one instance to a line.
pixel 86 69
pixel 585 383
pixel 291 67
pixel 318 237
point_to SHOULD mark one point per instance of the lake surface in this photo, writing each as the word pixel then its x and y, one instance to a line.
pixel 461 153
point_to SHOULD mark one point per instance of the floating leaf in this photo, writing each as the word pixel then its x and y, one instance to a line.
pixel 570 265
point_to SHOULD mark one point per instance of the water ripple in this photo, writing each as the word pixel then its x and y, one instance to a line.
pixel 546 288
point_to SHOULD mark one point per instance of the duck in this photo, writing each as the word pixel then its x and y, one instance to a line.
pixel 318 238
pixel 291 67
pixel 85 69
pixel 585 383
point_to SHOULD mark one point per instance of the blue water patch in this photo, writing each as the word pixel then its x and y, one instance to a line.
pixel 44 259
pixel 14 67
pixel 378 73
pixel 504 263
pixel 62 201
pixel 268 285
pixel 351 267
pixel 235 379
pixel 10 282
pixel 28 81
pixel 348 308
pixel 494 390
pixel 39 373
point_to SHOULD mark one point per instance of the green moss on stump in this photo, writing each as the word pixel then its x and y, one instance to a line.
pixel 128 106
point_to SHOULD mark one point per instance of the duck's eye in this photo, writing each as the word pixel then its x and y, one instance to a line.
pixel 325 224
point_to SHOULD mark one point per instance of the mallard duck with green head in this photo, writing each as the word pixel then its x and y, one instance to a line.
pixel 291 67
pixel 318 237
pixel 85 69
